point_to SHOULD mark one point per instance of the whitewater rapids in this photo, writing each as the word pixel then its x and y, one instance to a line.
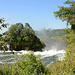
pixel 47 53
pixel 48 56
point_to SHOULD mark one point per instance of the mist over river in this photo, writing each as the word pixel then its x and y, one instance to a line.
pixel 54 50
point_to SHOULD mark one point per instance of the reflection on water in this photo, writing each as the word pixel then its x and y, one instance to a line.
pixel 48 56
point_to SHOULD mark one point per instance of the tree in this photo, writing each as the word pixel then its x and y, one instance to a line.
pixel 67 13
pixel 23 38
pixel 2 23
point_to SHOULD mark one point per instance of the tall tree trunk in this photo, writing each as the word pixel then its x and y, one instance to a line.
pixel 73 26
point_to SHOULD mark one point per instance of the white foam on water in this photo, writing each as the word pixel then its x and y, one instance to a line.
pixel 47 53
pixel 8 51
pixel 60 53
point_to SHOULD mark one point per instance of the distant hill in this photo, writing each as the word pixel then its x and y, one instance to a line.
pixel 51 33
pixel 52 38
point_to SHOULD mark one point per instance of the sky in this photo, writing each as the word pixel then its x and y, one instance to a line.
pixel 38 13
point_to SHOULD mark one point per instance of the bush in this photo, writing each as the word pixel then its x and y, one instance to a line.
pixel 67 66
pixel 28 64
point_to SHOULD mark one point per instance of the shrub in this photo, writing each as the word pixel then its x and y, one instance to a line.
pixel 28 64
pixel 67 66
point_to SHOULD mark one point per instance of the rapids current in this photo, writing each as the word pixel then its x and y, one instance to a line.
pixel 48 56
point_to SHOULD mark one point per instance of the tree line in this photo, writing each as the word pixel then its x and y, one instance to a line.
pixel 51 32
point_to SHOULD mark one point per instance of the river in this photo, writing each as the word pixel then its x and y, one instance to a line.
pixel 48 56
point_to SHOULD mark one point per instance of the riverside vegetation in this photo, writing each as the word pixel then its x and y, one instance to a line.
pixel 21 38
pixel 32 65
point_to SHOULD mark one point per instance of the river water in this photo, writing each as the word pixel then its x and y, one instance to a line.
pixel 48 56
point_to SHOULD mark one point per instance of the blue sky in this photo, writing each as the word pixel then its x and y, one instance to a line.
pixel 38 13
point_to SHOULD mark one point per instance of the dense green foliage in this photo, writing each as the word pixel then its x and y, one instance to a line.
pixel 21 37
pixel 29 64
pixel 32 65
pixel 2 23
pixel 67 66
pixel 3 44
pixel 67 13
